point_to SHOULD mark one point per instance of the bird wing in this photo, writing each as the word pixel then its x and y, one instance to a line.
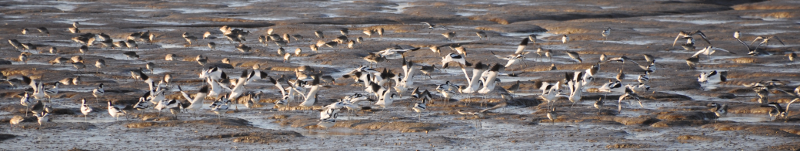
pixel 700 52
pixel 776 38
pixel 494 107
pixel 757 38
pixel 522 46
pixel 717 48
pixel 703 36
pixel 676 40
pixel 745 44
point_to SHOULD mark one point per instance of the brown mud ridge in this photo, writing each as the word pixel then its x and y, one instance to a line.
pixel 673 115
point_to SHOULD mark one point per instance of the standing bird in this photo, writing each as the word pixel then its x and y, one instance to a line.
pixel 205 35
pixel 84 49
pixel 100 63
pixel 421 106
pixel 629 93
pixel 449 35
pixel 43 30
pixel 98 92
pixel 220 106
pixel 436 49
pixel 212 45
pixel 189 38
pixel 85 109
pixel 552 115
pixel 564 39
pixel 719 109
pixel 319 34
pixel 369 32
pixel 114 111
pixel 150 66
pixel 27 102
pixel 791 56
pixel 23 57
pixel 777 110
pixel 575 56
pixel 606 33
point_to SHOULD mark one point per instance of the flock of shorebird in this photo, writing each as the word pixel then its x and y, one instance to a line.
pixel 381 86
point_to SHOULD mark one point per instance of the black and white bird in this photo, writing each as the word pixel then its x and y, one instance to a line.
pixel 42 118
pixel 407 80
pixel 489 79
pixel 712 76
pixel 98 92
pixel 719 109
pixel 220 106
pixel 452 57
pixel 710 50
pixel 777 111
pixel 27 102
pixel 311 96
pixel 85 109
pixel 685 34
pixel 629 93
pixel 474 83
pixel 420 107
pixel 327 118
pixel 114 111
pixel 196 102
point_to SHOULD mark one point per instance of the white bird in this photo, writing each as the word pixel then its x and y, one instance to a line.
pixel 447 90
pixel 311 97
pixel 401 85
pixel 42 118
pixel 488 79
pixel 385 97
pixel 576 90
pixel 327 118
pixel 710 50
pixel 395 52
pixel 196 102
pixel 452 57
pixel 564 39
pixel 714 76
pixel 85 109
pixel 286 94
pixel 239 89
pixel 114 111
pixel 473 83
pixel 420 107
pixel 220 106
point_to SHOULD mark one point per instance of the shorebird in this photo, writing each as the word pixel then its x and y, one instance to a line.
pixel 402 84
pixel 53 50
pixel 201 60
pixel 327 118
pixel 380 31
pixel 449 35
pixel 693 61
pixel 15 43
pixel 23 58
pixel 243 48
pixel 16 120
pixel 170 104
pixel 369 32
pixel 85 109
pixel 481 113
pixel 196 103
pixel 564 39
pixel 27 102
pixel 518 56
pixel 212 45
pixel 344 31
pixel 710 50
pixel 713 76
pixel 622 59
pixel 489 79
pixel 606 33
pixel 189 38
pixel 481 34
pixel 576 90
pixel 552 115
pixel 359 40
pixel 395 52
pixel 765 41
pixel 473 83
pixel 319 34
pixel 791 56
pixel 643 78
pixel 575 56
pixel 98 92
pixel 685 34
pixel 131 54
pixel 421 106
pixel 599 104
pixel 447 90
pixel 629 93
pixel 74 30
pixel 25 31
pixel 114 111
pixel 719 109
pixel 42 118
pixel 311 97
pixel 239 89
pixel 206 34
pixel 452 57
pixel 385 96
pixel 220 106
pixel 43 30
pixel 427 70
pixel 374 58
pixel 550 93
pixel 459 49
pixel 436 49
pixel 777 110
pixel 100 63
pixel 150 66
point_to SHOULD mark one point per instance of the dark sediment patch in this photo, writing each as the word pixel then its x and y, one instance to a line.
pixel 261 137
pixel 4 137
pixel 224 123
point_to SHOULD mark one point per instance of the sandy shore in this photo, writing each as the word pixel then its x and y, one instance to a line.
pixel 674 114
